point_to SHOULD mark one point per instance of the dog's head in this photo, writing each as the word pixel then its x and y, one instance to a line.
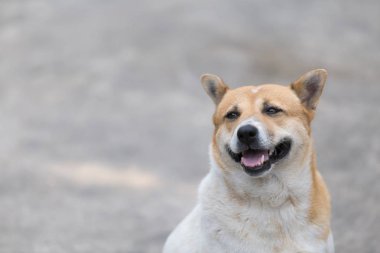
pixel 263 128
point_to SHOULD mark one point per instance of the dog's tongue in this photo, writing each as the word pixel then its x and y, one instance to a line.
pixel 253 158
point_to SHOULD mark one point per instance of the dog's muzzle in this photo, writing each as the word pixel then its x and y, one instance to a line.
pixel 253 156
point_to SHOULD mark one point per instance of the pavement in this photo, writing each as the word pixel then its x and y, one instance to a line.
pixel 105 127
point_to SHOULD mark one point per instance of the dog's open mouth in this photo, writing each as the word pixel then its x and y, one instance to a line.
pixel 255 161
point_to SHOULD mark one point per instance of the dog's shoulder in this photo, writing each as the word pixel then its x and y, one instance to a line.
pixel 186 236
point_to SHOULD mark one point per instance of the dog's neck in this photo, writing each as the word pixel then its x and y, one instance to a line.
pixel 291 185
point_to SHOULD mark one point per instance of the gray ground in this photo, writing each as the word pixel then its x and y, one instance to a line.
pixel 105 127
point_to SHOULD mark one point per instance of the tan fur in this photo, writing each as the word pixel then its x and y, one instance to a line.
pixel 319 212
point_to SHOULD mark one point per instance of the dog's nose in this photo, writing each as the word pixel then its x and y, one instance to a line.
pixel 247 134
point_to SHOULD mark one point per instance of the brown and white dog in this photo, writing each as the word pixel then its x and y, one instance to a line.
pixel 263 192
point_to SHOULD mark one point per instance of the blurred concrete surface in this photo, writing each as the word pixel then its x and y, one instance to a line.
pixel 105 128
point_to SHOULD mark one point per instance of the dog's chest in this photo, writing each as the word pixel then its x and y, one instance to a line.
pixel 257 228
pixel 260 229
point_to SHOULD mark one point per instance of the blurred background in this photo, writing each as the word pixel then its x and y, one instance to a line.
pixel 105 127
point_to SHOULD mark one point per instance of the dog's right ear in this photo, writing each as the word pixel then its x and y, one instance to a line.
pixel 214 86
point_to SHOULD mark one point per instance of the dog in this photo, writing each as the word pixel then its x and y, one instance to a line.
pixel 263 192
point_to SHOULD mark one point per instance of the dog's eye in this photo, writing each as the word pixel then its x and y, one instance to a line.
pixel 271 110
pixel 232 115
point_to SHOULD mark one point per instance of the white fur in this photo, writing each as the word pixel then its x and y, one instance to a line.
pixel 255 90
pixel 264 221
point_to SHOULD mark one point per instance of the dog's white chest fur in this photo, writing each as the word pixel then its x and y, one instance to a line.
pixel 271 222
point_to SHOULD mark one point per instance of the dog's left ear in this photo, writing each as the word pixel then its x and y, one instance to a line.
pixel 214 86
pixel 309 87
